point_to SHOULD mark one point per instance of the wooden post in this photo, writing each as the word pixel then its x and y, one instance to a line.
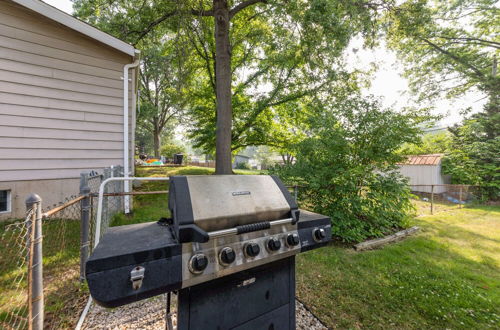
pixel 432 199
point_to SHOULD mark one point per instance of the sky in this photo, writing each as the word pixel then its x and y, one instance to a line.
pixel 388 83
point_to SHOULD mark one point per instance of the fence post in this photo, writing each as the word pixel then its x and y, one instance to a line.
pixel 35 271
pixel 460 198
pixel 105 203
pixel 432 199
pixel 295 192
pixel 84 229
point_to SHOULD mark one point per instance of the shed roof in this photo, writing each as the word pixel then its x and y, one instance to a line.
pixel 432 159
pixel 75 24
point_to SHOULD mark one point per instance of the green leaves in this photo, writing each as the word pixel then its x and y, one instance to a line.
pixel 448 47
pixel 473 157
pixel 346 164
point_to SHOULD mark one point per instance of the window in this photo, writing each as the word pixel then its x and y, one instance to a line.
pixel 4 201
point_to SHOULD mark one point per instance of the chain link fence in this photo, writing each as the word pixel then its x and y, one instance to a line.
pixel 14 276
pixel 432 199
pixel 55 297
pixel 63 294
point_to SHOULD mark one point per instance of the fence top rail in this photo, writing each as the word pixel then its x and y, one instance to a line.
pixel 61 207
pixel 97 234
pixel 443 185
pixel 131 193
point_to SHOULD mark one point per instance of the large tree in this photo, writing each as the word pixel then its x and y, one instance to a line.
pixel 164 78
pixel 254 55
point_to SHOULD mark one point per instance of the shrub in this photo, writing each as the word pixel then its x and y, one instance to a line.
pixel 243 166
pixel 168 150
pixel 347 166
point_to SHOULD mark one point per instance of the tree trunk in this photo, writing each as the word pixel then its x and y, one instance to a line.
pixel 222 88
pixel 156 137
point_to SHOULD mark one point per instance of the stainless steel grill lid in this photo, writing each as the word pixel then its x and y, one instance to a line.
pixel 206 203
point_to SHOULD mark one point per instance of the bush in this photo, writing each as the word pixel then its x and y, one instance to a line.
pixel 243 166
pixel 170 149
pixel 347 166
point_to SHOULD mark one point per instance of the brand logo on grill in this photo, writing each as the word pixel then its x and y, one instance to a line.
pixel 239 193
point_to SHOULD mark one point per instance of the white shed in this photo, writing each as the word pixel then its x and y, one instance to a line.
pixel 424 170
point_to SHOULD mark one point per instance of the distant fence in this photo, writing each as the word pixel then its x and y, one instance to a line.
pixel 208 163
pixel 431 199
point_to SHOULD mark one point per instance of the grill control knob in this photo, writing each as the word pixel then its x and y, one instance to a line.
pixel 319 234
pixel 252 249
pixel 198 263
pixel 292 240
pixel 226 256
pixel 273 244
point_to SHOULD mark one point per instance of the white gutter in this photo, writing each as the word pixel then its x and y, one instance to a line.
pixel 126 165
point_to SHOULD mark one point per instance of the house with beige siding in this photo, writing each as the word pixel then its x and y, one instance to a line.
pixel 67 103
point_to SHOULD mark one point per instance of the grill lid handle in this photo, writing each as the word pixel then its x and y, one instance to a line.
pixel 295 216
pixel 252 227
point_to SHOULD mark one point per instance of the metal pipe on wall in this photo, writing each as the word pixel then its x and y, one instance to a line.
pixel 126 166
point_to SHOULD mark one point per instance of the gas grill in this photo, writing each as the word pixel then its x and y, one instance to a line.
pixel 228 250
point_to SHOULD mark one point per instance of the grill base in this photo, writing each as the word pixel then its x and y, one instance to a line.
pixel 258 298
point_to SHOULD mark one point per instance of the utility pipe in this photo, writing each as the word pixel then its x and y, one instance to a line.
pixel 126 164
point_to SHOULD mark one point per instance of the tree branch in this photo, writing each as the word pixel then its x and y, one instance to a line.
pixel 202 12
pixel 239 7
pixel 152 25
pixel 159 20
pixel 454 57
pixel 482 41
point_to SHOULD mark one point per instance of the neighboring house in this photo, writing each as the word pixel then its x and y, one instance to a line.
pixel 62 103
pixel 240 159
pixel 424 170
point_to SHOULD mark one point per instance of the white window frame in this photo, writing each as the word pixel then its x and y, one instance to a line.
pixel 9 201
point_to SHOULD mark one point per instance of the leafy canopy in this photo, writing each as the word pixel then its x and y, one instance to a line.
pixel 430 143
pixel 346 166
pixel 448 47
pixel 281 52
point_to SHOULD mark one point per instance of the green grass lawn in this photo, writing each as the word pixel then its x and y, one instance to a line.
pixel 446 277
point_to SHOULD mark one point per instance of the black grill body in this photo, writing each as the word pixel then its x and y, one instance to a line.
pixel 257 298
pixel 253 287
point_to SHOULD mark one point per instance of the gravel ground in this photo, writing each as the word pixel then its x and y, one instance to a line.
pixel 150 314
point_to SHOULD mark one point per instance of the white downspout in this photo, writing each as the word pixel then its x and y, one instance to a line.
pixel 126 165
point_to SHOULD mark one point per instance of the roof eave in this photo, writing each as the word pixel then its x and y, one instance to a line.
pixel 75 24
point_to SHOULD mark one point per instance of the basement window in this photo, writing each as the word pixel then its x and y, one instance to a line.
pixel 4 201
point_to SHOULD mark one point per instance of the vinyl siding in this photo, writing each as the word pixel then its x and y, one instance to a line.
pixel 61 99
pixel 424 175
